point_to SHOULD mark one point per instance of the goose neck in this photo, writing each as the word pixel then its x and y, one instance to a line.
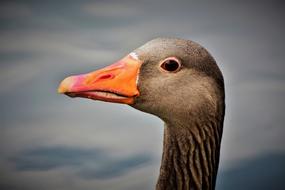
pixel 190 157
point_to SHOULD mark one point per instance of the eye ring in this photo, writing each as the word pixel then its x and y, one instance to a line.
pixel 170 64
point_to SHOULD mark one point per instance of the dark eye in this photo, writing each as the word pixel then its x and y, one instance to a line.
pixel 170 65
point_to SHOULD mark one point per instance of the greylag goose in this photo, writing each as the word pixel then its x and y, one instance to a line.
pixel 180 82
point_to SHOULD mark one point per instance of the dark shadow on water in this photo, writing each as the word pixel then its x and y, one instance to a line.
pixel 263 173
pixel 86 163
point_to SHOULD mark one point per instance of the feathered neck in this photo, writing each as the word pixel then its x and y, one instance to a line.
pixel 190 156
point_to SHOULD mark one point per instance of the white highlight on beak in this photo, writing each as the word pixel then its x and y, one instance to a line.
pixel 137 79
pixel 134 55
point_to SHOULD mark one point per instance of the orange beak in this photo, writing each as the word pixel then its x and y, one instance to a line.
pixel 115 83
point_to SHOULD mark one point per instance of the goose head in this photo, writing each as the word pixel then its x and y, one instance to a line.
pixel 172 78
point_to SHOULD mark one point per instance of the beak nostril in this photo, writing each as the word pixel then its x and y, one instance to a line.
pixel 105 76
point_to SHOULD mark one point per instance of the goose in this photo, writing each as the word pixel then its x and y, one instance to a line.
pixel 178 81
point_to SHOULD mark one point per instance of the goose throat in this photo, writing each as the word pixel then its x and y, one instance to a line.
pixel 190 157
